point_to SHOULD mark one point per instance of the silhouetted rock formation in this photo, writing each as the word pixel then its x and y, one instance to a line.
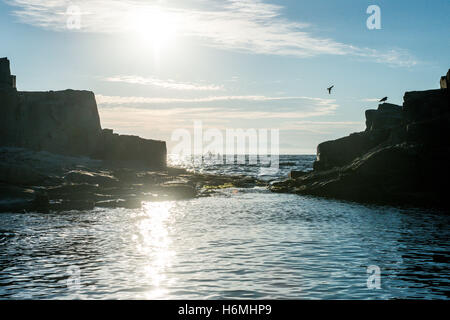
pixel 63 122
pixel 401 158
pixel 67 122
pixel 380 125
pixel 131 149
pixel 7 81
pixel 445 81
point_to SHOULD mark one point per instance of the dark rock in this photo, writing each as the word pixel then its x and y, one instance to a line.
pixel 72 205
pixel 74 192
pixel 387 116
pixel 393 174
pixel 67 122
pixel 444 83
pixel 176 171
pixel 154 178
pixel 425 105
pixel 102 179
pixel 7 81
pixel 178 191
pixel 41 203
pixel 16 199
pixel 297 174
pixel 340 152
pixel 62 122
pixel 245 182
pixel 123 149
pixel 402 157
pixel 132 203
pixel 445 80
pixel 21 175
pixel 125 175
pixel 430 132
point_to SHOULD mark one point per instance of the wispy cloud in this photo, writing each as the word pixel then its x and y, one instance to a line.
pixel 297 107
pixel 166 84
pixel 371 100
pixel 161 122
pixel 166 120
pixel 322 127
pixel 251 26
pixel 219 109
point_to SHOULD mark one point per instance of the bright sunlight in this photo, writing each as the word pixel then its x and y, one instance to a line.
pixel 153 27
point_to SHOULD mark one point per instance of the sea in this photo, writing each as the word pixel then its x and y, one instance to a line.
pixel 237 244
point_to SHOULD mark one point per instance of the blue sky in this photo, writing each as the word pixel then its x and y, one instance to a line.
pixel 156 66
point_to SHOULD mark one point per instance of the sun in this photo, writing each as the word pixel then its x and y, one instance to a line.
pixel 153 27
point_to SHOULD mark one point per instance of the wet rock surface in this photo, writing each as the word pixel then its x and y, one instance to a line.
pixel 60 183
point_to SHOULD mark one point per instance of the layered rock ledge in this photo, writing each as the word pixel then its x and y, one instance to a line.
pixel 45 182
pixel 401 158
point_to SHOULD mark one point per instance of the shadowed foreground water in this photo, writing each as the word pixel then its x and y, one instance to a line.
pixel 238 244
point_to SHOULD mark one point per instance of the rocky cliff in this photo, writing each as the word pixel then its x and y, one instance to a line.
pixel 67 122
pixel 401 158
pixel 63 122
pixel 7 80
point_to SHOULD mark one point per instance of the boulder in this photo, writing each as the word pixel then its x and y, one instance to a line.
pixel 297 174
pixel 178 191
pixel 387 116
pixel 73 192
pixel 85 177
pixel 425 105
pixel 20 174
pixel 342 151
pixel 72 205
pixel 18 199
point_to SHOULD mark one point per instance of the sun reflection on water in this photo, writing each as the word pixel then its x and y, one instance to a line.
pixel 154 243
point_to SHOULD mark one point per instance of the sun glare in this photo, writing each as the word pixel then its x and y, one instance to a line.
pixel 153 27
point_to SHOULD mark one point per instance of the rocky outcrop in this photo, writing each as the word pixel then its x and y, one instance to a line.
pixel 386 117
pixel 44 182
pixel 63 122
pixel 401 158
pixel 445 81
pixel 67 122
pixel 7 81
pixel 134 150
pixel 380 126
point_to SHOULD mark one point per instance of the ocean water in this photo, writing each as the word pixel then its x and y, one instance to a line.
pixel 239 244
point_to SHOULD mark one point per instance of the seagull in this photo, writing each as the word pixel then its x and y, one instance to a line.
pixel 384 99
pixel 329 89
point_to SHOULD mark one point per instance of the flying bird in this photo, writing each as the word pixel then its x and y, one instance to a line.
pixel 329 89
pixel 384 99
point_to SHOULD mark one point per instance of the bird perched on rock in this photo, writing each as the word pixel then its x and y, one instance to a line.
pixel 384 99
pixel 329 89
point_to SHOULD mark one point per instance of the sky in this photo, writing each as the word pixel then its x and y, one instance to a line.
pixel 158 66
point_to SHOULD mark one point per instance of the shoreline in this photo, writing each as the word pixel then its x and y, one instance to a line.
pixel 68 183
